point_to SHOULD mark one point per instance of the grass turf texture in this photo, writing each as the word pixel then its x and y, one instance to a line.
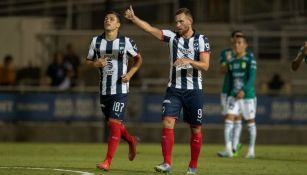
pixel 270 159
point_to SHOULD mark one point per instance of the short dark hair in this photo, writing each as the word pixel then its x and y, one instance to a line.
pixel 114 13
pixel 185 11
pixel 241 36
pixel 235 32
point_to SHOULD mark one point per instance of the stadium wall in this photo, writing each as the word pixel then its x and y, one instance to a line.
pixel 76 117
pixel 148 132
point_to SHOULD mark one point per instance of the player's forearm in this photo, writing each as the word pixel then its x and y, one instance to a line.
pixel 136 66
pixel 204 66
pixel 90 63
pixel 297 62
pixel 147 27
pixel 95 63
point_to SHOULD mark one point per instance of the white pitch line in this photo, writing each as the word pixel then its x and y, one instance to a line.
pixel 55 169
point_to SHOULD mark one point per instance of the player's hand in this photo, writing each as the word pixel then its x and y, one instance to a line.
pixel 100 62
pixel 240 94
pixel 305 48
pixel 126 78
pixel 129 13
pixel 181 62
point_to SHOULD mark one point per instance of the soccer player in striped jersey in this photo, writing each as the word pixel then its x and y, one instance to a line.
pixel 232 128
pixel 109 53
pixel 242 96
pixel 189 56
pixel 302 55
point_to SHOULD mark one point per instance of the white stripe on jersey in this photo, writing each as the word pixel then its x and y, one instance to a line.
pixel 110 74
pixel 185 49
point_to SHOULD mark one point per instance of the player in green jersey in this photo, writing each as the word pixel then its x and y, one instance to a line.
pixel 242 97
pixel 232 128
pixel 302 55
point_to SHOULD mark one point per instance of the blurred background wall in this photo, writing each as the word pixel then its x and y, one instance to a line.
pixel 32 31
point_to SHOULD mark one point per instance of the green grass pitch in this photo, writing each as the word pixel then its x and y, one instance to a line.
pixel 60 158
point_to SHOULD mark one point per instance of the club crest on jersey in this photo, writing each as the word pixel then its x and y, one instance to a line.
pixel 121 50
pixel 196 48
pixel 243 65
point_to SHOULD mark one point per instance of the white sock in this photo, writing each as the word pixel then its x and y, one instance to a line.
pixel 237 127
pixel 252 137
pixel 228 135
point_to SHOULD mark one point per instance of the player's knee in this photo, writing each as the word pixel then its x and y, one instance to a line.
pixel 195 129
pixel 229 117
pixel 168 122
pixel 112 120
pixel 250 121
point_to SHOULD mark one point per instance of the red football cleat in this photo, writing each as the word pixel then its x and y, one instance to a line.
pixel 105 165
pixel 132 148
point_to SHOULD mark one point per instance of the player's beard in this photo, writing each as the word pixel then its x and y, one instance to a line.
pixel 183 31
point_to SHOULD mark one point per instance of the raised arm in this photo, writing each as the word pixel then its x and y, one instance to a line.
pixel 129 14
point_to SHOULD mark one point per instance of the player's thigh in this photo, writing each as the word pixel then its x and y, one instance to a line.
pixel 248 108
pixel 223 99
pixel 114 106
pixel 232 106
pixel 193 107
pixel 171 105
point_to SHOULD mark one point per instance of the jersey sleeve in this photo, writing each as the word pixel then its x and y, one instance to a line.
pixel 223 60
pixel 204 46
pixel 166 35
pixel 252 75
pixel 91 53
pixel 132 49
pixel 300 52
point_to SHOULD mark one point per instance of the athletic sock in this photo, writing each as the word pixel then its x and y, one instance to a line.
pixel 113 140
pixel 252 136
pixel 195 147
pixel 125 134
pixel 237 127
pixel 227 134
pixel 167 144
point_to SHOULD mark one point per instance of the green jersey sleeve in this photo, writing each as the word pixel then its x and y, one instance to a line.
pixel 250 83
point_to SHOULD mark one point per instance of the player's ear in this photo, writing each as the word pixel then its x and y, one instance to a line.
pixel 118 25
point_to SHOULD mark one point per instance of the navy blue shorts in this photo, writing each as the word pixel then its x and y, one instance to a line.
pixel 190 101
pixel 113 106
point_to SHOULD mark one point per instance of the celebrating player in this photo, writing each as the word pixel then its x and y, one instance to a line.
pixel 189 56
pixel 242 97
pixel 302 55
pixel 110 52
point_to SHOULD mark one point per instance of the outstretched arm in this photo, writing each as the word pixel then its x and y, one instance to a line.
pixel 129 14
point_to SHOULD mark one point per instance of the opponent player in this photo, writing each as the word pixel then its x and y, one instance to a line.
pixel 110 52
pixel 232 128
pixel 302 55
pixel 189 56
pixel 242 97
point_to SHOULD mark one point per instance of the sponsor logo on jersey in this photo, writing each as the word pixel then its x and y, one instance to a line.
pixel 243 65
pixel 185 51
